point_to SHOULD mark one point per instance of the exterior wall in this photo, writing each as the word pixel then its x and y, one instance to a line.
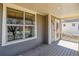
pixel 41 27
pixel 46 30
pixel 17 48
pixel 0 22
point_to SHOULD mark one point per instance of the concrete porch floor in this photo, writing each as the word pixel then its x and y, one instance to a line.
pixel 55 49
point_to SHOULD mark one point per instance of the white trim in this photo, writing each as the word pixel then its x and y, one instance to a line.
pixel 4 40
pixel 18 25
pixel 43 14
pixel 36 25
pixel 58 21
pixel 49 28
pixel 18 8
pixel 18 41
pixel 24 26
pixel 4 26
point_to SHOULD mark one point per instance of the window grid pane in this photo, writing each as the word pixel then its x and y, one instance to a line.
pixel 20 25
pixel 29 31
pixel 29 19
pixel 14 33
pixel 14 16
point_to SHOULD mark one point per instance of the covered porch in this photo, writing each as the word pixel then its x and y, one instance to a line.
pixel 58 48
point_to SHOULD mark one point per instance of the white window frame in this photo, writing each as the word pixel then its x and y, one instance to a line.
pixel 4 27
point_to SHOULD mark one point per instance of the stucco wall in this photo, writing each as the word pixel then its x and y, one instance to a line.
pixel 17 48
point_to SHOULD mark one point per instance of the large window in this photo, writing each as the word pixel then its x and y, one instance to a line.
pixel 20 25
pixel 14 24
pixel 30 21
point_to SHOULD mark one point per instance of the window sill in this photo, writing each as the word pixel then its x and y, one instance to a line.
pixel 18 41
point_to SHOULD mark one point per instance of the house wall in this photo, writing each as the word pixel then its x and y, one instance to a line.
pixel 0 22
pixel 69 29
pixel 43 27
pixel 46 30
pixel 17 48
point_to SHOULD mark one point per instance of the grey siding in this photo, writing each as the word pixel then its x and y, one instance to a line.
pixel 17 48
pixel 43 27
pixel 46 30
pixel 0 22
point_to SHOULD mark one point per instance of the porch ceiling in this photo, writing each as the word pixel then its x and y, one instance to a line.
pixel 60 10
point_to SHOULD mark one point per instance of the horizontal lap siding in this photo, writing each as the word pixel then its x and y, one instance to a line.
pixel 1 8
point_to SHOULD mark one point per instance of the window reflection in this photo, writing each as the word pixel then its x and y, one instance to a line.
pixel 15 33
pixel 29 19
pixel 14 16
pixel 29 32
